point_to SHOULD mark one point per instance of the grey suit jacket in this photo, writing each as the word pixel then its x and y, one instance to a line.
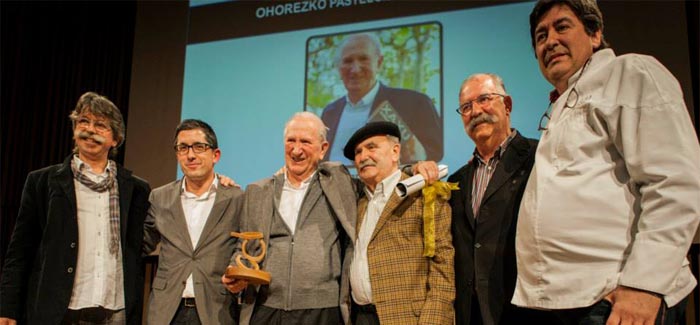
pixel 338 188
pixel 166 224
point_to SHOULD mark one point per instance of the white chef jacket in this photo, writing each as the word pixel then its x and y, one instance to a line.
pixel 614 196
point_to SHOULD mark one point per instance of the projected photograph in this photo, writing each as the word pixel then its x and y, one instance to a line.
pixel 389 74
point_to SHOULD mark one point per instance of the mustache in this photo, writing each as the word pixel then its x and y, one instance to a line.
pixel 84 135
pixel 366 162
pixel 482 118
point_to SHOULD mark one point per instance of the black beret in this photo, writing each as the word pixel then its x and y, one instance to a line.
pixel 369 130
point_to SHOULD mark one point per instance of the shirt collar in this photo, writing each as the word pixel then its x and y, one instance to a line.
pixel 386 186
pixel 367 99
pixel 304 184
pixel 87 169
pixel 598 57
pixel 212 189
pixel 501 148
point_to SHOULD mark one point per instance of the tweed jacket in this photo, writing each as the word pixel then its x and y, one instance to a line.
pixel 408 288
pixel 337 188
pixel 166 224
pixel 37 278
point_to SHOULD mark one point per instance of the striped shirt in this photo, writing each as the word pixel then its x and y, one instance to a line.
pixel 484 171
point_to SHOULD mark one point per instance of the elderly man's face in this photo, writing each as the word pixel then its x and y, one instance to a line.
pixel 93 136
pixel 303 147
pixel 375 159
pixel 562 45
pixel 197 166
pixel 489 115
pixel 358 66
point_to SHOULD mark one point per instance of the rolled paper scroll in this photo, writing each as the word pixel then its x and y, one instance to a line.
pixel 416 183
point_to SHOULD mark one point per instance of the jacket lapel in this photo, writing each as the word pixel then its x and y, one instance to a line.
pixel 126 188
pixel 221 203
pixel 179 221
pixel 335 200
pixel 515 155
pixel 312 195
pixel 391 205
pixel 465 184
pixel 64 177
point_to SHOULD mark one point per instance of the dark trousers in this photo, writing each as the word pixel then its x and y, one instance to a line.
pixel 364 315
pixel 96 315
pixel 271 316
pixel 186 313
pixel 599 312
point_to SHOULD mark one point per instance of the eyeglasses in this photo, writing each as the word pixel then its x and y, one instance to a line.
pixel 198 147
pixel 571 101
pixel 466 108
pixel 99 126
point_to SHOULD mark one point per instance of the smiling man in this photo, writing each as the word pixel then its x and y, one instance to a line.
pixel 192 219
pixel 75 253
pixel 359 62
pixel 391 280
pixel 307 216
pixel 611 205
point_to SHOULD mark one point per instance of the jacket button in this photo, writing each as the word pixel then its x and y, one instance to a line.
pixel 477 245
pixel 70 270
pixel 72 245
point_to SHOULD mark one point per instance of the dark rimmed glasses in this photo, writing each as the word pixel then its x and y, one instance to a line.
pixel 197 147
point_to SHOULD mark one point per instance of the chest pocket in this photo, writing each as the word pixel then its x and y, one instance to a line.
pixel 577 133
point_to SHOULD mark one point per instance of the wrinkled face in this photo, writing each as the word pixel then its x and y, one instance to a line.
pixel 376 158
pixel 358 66
pixel 562 45
pixel 196 166
pixel 487 118
pixel 303 148
pixel 93 136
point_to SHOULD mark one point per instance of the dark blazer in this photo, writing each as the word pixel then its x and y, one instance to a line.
pixel 485 248
pixel 166 224
pixel 416 109
pixel 37 279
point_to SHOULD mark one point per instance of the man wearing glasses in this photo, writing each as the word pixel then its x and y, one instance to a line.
pixel 484 209
pixel 611 205
pixel 192 219
pixel 75 254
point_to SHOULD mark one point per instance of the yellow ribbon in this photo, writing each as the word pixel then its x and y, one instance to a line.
pixel 439 190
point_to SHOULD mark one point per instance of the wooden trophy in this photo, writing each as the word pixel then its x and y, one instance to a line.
pixel 241 271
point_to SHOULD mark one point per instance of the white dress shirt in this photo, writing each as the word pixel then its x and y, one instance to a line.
pixel 614 196
pixel 99 279
pixel 359 269
pixel 197 210
pixel 291 200
pixel 353 117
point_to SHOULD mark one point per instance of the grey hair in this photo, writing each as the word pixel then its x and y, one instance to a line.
pixel 496 79
pixel 322 128
pixel 98 105
pixel 371 37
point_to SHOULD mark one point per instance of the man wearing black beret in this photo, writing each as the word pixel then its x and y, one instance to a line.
pixel 391 279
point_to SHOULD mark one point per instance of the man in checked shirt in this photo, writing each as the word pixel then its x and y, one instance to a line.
pixel 485 208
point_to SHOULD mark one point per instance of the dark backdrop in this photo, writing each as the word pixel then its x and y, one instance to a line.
pixel 52 52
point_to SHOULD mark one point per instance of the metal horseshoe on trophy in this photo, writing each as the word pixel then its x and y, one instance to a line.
pixel 254 274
